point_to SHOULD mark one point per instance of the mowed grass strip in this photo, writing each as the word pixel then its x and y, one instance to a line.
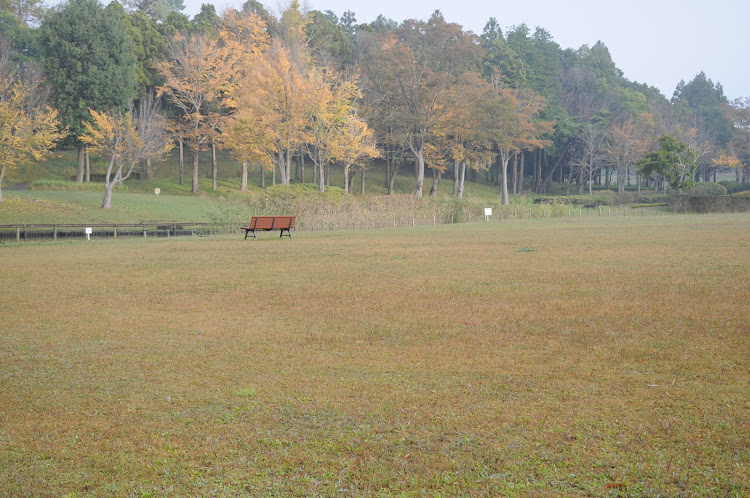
pixel 584 356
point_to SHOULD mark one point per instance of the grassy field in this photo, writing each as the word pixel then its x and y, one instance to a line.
pixel 603 356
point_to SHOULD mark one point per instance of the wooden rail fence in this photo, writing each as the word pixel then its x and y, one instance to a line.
pixel 28 231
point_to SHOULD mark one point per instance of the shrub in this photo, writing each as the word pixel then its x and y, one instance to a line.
pixel 708 188
pixel 603 198
pixel 228 217
pixel 734 187
pixel 72 186
pixel 710 203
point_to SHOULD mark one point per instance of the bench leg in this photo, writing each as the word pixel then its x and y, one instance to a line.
pixel 288 233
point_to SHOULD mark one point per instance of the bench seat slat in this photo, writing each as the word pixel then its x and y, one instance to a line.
pixel 269 223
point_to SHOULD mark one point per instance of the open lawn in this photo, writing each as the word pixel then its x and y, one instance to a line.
pixel 585 356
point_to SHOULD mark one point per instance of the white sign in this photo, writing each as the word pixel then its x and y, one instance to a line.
pixel 488 211
pixel 88 231
pixel 157 191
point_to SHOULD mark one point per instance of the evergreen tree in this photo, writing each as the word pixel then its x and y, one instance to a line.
pixel 89 60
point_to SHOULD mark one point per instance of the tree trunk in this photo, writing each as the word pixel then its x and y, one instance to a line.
pixel 456 167
pixel 109 182
pixel 81 164
pixel 436 177
pixel 346 179
pixel 107 201
pixel 462 175
pixel 2 174
pixel 286 178
pixel 419 170
pixel 262 177
pixel 363 182
pixel 196 155
pixel 521 173
pixel 321 178
pixel 558 162
pixel 214 168
pixel 182 163
pixel 87 160
pixel 243 185
pixel 302 166
pixel 503 165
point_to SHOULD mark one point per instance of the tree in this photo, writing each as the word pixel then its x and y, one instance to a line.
pixel 627 143
pixel 89 60
pixel 707 101
pixel 128 138
pixel 740 144
pixel 515 127
pixel 674 161
pixel 28 127
pixel 156 10
pixel 353 144
pixel 411 73
pixel 26 12
pixel 199 76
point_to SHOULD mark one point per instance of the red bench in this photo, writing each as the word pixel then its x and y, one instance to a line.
pixel 269 223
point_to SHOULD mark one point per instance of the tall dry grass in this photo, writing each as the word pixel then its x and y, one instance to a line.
pixel 584 356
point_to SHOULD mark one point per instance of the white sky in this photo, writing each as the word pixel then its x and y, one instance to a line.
pixel 659 42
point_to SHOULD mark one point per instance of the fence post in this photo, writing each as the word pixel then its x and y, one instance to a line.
pixel 18 234
pixel 54 233
pixel 144 231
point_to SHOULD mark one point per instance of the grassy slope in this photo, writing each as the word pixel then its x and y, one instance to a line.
pixel 581 356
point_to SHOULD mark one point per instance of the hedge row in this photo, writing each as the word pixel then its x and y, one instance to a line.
pixel 710 203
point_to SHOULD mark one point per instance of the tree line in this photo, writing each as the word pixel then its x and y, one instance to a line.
pixel 134 80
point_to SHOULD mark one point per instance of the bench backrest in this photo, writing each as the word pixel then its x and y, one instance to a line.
pixel 272 222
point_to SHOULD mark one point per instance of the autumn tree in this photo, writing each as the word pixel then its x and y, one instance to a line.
pixel 352 145
pixel 626 143
pixel 127 138
pixel 412 72
pixel 467 128
pixel 516 126
pixel 29 128
pixel 244 133
pixel 199 77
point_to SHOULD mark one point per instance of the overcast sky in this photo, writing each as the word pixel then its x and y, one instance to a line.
pixel 658 42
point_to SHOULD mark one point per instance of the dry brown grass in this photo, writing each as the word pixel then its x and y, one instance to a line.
pixel 584 356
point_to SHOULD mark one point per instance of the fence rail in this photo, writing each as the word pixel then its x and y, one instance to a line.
pixel 55 231
pixel 318 222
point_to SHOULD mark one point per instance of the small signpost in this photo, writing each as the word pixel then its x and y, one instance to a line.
pixel 157 191
pixel 88 232
pixel 487 214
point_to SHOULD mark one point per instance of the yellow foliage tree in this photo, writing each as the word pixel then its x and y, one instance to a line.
pixel 352 144
pixel 28 129
pixel 201 79
pixel 127 139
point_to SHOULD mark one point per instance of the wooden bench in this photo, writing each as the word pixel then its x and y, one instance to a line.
pixel 269 223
